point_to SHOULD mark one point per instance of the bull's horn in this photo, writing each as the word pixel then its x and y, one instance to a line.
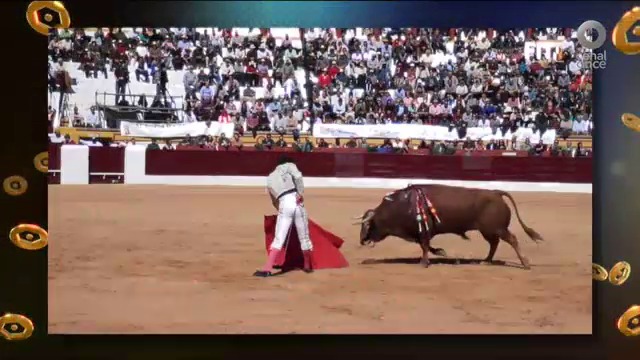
pixel 363 219
pixel 357 217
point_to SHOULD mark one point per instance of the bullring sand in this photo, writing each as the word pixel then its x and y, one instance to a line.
pixel 178 259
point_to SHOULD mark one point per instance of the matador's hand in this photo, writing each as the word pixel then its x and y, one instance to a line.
pixel 300 199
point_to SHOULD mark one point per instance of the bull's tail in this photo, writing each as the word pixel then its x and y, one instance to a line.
pixel 532 233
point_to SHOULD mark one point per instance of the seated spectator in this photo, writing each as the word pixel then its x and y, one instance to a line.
pixel 268 142
pixel 224 141
pixel 56 138
pixel 237 141
pixel 322 144
pixel 153 145
pixel 207 94
pixel 469 144
pixel 539 149
pixel 281 142
pixel 67 140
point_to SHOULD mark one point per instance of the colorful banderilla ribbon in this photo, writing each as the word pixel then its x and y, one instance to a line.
pixel 422 217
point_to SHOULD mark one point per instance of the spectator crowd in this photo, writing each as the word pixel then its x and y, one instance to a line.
pixel 457 78
pixel 246 79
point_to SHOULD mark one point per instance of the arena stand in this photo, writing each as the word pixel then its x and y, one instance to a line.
pixel 554 69
pixel 95 92
pixel 526 81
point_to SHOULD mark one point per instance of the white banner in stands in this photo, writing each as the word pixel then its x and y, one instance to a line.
pixel 425 132
pixel 550 48
pixel 175 130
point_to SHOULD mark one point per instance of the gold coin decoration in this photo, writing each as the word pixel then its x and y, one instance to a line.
pixel 598 272
pixel 45 15
pixel 631 121
pixel 629 323
pixel 619 273
pixel 15 185
pixel 623 27
pixel 9 327
pixel 41 162
pixel 27 242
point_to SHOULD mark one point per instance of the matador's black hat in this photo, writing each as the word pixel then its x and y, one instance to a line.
pixel 283 159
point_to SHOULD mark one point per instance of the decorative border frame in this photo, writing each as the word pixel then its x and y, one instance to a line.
pixel 23 273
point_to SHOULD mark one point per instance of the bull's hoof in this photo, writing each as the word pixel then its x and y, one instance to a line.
pixel 487 262
pixel 440 252
pixel 425 263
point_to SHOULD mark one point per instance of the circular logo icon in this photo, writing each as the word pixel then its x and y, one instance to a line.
pixel 599 273
pixel 627 24
pixel 631 121
pixel 629 322
pixel 15 185
pixel 24 237
pixel 41 162
pixel 596 41
pixel 15 327
pixel 619 273
pixel 45 15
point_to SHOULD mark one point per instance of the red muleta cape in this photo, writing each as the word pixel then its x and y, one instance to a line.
pixel 325 255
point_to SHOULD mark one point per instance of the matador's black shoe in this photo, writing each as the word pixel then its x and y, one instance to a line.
pixel 262 273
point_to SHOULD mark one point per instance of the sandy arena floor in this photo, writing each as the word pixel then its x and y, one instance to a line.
pixel 168 259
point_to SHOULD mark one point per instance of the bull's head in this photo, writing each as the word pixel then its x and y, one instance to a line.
pixel 367 228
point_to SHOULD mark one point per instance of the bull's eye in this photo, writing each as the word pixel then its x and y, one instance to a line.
pixel 29 237
pixel 15 327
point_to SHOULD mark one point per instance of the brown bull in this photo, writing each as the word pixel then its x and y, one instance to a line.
pixel 458 210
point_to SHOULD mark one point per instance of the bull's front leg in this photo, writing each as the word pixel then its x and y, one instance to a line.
pixel 425 245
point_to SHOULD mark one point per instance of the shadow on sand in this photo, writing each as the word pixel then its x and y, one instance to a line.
pixel 442 261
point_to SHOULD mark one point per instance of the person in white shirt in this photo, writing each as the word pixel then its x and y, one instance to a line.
pixel 462 89
pixel 289 87
pixel 575 66
pixel 285 186
pixel 56 138
pixel 357 57
pixel 189 117
pixel 226 69
pixel 93 143
pixel 397 143
pixel 484 123
pixel 91 119
pixel 263 52
pixel 339 108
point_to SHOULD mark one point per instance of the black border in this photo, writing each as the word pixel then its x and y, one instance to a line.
pixel 23 274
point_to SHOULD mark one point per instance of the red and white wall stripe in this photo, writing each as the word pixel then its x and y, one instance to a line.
pixel 80 165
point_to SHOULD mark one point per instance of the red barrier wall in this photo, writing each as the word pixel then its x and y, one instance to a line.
pixel 343 164
pixel 106 165
pixel 53 177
